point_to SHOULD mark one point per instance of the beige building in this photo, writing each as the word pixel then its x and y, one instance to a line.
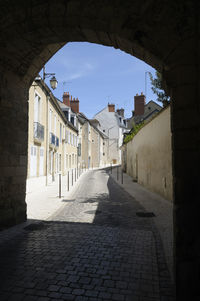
pixel 52 140
pixel 148 156
pixel 94 144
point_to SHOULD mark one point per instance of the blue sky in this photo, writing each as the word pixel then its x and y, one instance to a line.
pixel 97 75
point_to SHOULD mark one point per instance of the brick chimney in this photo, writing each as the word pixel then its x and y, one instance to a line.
pixel 111 108
pixel 66 100
pixel 120 112
pixel 74 104
pixel 139 102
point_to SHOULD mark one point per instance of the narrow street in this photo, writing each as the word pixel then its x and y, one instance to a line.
pixel 95 247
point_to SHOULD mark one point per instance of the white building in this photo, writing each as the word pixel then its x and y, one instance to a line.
pixel 113 125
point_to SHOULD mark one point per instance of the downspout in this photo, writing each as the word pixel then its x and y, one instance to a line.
pixel 47 137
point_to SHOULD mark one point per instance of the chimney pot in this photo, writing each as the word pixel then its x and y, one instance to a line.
pixel 66 100
pixel 111 107
pixel 139 102
pixel 74 104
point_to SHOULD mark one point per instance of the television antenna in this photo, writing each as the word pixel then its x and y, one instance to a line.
pixel 64 83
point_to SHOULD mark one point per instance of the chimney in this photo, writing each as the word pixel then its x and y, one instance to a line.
pixel 139 103
pixel 66 99
pixel 74 104
pixel 120 112
pixel 111 107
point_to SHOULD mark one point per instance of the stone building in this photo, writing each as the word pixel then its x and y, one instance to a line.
pixel 52 139
pixel 148 156
pixel 91 143
pixel 142 112
pixel 94 144
pixel 113 125
pixel 164 34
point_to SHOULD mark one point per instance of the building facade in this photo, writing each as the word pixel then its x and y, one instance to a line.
pixel 142 112
pixel 52 140
pixel 113 125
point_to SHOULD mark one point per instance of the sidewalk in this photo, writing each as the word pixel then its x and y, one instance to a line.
pixel 152 202
pixel 44 201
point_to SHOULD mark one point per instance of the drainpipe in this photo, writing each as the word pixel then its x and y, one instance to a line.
pixel 47 137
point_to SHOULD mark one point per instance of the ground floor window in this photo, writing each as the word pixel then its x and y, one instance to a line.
pixel 70 163
pixel 60 161
pixel 33 161
pixel 41 165
pixel 66 161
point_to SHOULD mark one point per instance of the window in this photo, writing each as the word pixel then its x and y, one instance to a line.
pixel 57 162
pixel 66 161
pixel 55 124
pixel 104 131
pixel 69 137
pixel 37 108
pixel 60 132
pixel 70 163
pixel 50 119
pixel 66 115
pixel 103 143
pixel 60 159
pixel 103 154
pixel 66 136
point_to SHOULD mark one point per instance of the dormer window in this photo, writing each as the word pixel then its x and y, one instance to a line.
pixel 72 120
pixel 66 115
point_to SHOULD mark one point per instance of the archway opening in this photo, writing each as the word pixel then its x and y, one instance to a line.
pixel 164 36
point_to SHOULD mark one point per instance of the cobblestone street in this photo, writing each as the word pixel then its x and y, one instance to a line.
pixel 95 247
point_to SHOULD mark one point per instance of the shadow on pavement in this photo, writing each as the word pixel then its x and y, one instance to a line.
pixel 118 257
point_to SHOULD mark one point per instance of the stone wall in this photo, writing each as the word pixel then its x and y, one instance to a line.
pixel 164 34
pixel 149 155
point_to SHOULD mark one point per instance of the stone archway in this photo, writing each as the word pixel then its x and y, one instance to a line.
pixel 163 34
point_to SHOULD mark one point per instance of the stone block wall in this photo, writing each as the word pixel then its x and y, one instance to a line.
pixel 149 155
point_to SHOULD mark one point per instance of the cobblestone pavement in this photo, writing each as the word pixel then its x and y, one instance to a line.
pixel 115 255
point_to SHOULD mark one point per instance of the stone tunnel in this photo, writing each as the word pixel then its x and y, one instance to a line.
pixel 166 35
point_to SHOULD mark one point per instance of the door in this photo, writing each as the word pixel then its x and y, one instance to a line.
pixel 41 169
pixel 33 161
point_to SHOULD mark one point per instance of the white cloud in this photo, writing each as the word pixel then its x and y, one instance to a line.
pixel 71 69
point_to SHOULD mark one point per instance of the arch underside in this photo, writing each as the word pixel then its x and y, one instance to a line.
pixel 165 34
pixel 32 32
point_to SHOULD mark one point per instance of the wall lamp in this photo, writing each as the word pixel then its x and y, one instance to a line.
pixel 53 80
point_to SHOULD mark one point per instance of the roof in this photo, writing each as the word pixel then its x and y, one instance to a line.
pixel 56 102
pixel 62 105
pixel 92 121
pixel 148 112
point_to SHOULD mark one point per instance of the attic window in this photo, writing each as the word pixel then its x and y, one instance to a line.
pixel 149 108
pixel 104 131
